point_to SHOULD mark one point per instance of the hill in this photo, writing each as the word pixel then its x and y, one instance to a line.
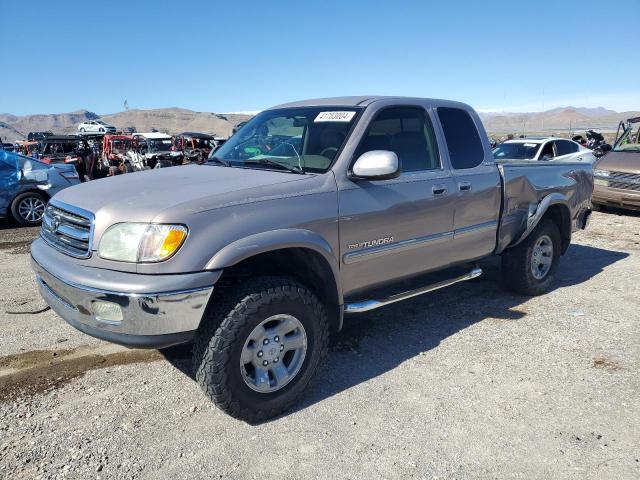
pixel 554 120
pixel 171 120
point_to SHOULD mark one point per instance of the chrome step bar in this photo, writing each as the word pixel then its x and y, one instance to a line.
pixel 366 305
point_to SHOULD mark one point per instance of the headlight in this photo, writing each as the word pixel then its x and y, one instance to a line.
pixel 601 173
pixel 141 242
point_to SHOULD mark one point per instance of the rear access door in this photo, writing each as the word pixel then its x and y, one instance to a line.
pixel 477 182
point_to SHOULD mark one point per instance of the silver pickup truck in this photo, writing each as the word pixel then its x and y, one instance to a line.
pixel 311 211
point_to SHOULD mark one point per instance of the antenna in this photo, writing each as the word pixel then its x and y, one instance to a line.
pixel 126 104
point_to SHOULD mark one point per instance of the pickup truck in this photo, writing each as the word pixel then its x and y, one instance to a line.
pixel 311 211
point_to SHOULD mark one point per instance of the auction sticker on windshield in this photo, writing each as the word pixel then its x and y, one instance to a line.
pixel 334 116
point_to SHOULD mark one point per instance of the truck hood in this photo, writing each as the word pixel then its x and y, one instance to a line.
pixel 142 196
pixel 626 162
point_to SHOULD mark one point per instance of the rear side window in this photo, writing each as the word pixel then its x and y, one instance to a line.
pixel 406 131
pixel 463 139
pixel 565 147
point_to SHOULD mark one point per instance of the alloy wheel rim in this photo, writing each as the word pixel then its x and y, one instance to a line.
pixel 31 209
pixel 541 257
pixel 273 353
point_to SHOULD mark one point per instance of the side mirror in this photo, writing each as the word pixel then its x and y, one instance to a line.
pixel 376 165
pixel 546 158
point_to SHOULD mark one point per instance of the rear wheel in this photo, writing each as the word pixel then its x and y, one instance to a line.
pixel 529 268
pixel 28 208
pixel 259 347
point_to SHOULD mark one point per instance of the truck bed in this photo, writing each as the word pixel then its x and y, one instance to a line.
pixel 524 186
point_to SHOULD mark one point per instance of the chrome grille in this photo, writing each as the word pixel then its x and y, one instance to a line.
pixel 68 229
pixel 624 181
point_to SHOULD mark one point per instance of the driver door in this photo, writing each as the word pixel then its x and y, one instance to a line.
pixel 391 229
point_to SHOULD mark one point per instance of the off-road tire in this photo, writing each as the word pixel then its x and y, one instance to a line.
pixel 15 208
pixel 232 315
pixel 516 262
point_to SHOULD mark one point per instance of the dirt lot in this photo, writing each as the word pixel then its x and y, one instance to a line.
pixel 471 382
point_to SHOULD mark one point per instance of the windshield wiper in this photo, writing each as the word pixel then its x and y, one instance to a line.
pixel 218 161
pixel 273 163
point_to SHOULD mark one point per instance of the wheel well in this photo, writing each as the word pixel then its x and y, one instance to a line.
pixel 31 190
pixel 304 264
pixel 560 215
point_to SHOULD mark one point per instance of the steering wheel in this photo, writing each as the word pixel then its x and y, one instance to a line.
pixel 330 150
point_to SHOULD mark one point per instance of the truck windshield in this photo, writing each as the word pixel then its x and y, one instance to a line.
pixel 516 151
pixel 630 140
pixel 303 139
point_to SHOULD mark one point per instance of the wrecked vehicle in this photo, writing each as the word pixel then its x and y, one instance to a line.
pixel 617 174
pixel 153 150
pixel 543 149
pixel 26 185
pixel 195 146
pixel 256 258
pixel 28 148
pixel 69 149
pixel 113 158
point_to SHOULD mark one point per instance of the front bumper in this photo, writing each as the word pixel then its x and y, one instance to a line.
pixel 615 197
pixel 150 317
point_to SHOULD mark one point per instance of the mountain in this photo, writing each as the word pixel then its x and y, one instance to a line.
pixel 176 120
pixel 171 120
pixel 555 120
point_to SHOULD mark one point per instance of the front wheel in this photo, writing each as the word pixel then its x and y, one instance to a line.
pixel 28 208
pixel 529 268
pixel 259 348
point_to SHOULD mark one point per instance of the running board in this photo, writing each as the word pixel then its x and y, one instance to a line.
pixel 366 305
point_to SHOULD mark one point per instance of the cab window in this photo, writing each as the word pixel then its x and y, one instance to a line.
pixel 408 133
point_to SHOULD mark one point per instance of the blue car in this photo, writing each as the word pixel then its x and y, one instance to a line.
pixel 26 185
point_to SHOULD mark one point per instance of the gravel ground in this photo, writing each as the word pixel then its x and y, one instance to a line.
pixel 468 382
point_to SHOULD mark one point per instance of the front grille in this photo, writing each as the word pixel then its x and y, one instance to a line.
pixel 68 231
pixel 624 181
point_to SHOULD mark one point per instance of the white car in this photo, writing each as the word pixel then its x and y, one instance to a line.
pixel 95 126
pixel 543 149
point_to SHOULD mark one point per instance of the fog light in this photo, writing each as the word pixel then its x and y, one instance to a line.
pixel 107 311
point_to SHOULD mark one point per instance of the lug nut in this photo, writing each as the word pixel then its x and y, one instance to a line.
pixel 260 354
pixel 281 347
pixel 275 360
pixel 276 338
pixel 265 341
pixel 265 363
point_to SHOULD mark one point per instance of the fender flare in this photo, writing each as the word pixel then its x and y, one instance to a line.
pixel 536 215
pixel 272 240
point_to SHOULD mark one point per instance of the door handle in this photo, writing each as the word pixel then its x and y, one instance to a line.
pixel 464 186
pixel 439 189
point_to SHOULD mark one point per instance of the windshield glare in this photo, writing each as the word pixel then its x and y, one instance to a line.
pixel 630 140
pixel 306 138
pixel 516 151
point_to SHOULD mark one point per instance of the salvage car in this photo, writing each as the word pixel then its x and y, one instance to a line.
pixel 71 149
pixel 26 185
pixel 95 126
pixel 617 174
pixel 29 148
pixel 543 149
pixel 153 150
pixel 113 158
pixel 39 136
pixel 256 258
pixel 195 146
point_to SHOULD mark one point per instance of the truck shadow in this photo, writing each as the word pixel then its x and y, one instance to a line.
pixel 376 342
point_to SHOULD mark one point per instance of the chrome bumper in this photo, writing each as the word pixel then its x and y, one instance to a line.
pixel 150 320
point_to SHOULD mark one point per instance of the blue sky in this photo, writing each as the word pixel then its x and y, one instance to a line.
pixel 244 56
